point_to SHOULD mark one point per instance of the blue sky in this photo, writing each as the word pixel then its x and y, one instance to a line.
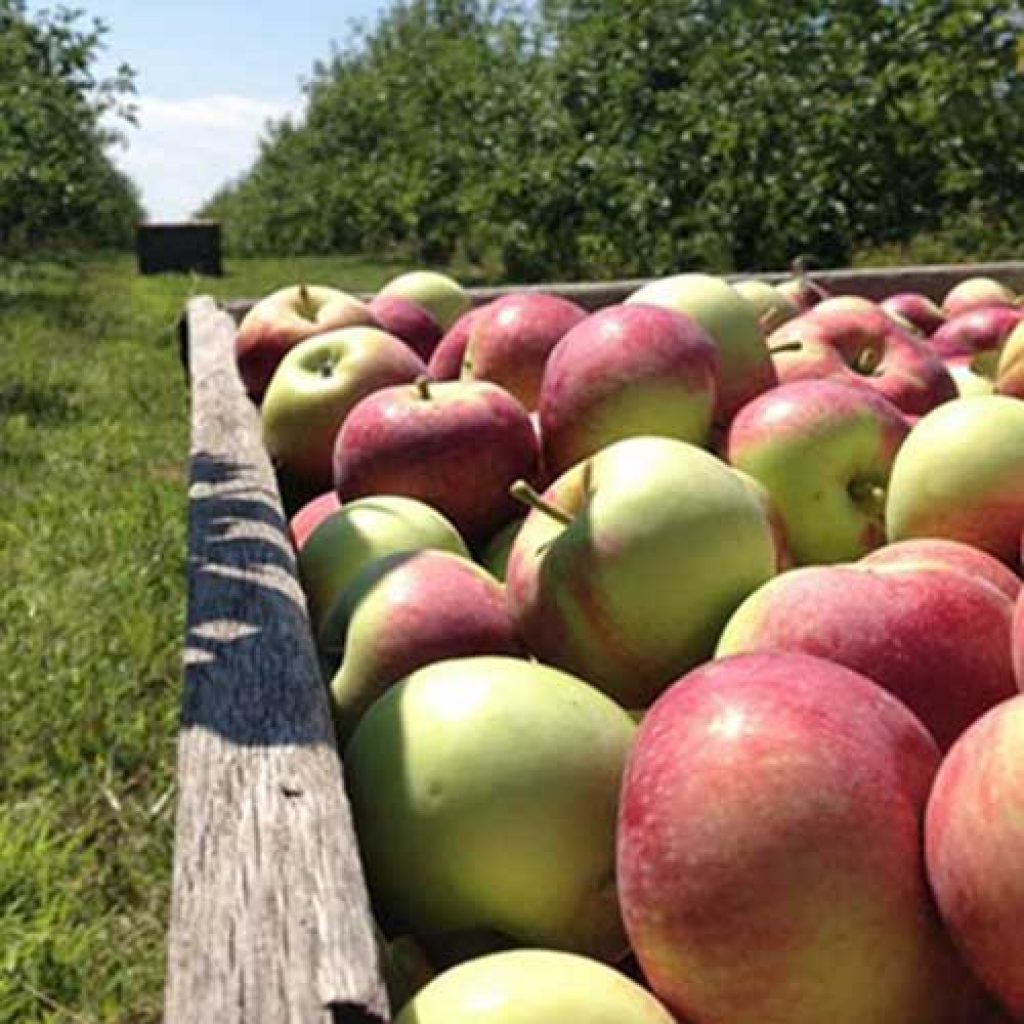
pixel 209 75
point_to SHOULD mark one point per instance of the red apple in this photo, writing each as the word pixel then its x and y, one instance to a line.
pixel 974 849
pixel 976 292
pixel 977 335
pixel 510 341
pixel 455 445
pixel 854 341
pixel 310 516
pixel 937 639
pixel 403 612
pixel 407 321
pixel 622 372
pixel 1018 641
pixel 769 850
pixel 934 552
pixel 917 310
pixel 446 360
pixel 278 322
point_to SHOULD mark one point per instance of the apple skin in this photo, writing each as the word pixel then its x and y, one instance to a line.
pixel 278 322
pixel 310 516
pixel 771 307
pixel 968 380
pixel 361 531
pixel 916 309
pixel 937 639
pixel 533 986
pixel 440 296
pixel 408 322
pixel 495 553
pixel 744 365
pixel 1010 369
pixel 960 475
pixel 623 372
pixel 852 340
pixel 936 553
pixel 976 332
pixel 403 612
pixel 769 850
pixel 484 792
pixel 456 445
pixel 593 597
pixel 509 342
pixel 1018 641
pixel 446 360
pixel 974 847
pixel 803 292
pixel 824 452
pixel 975 293
pixel 315 387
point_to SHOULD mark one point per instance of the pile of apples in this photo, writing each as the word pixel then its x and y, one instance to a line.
pixel 675 649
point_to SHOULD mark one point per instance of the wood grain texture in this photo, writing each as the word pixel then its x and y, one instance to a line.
pixel 270 919
pixel 933 280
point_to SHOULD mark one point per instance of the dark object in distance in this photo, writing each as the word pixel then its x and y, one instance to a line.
pixel 184 247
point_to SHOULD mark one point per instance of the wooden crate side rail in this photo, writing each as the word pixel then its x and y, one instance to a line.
pixel 933 280
pixel 270 919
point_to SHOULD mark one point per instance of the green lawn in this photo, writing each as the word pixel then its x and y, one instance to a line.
pixel 93 471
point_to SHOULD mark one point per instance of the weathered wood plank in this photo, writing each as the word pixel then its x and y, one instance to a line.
pixel 270 920
pixel 875 283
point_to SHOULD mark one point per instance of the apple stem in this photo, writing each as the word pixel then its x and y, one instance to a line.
pixel 306 303
pixel 423 387
pixel 525 493
pixel 866 362
pixel 789 346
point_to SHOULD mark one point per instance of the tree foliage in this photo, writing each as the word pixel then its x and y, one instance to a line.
pixel 56 178
pixel 606 137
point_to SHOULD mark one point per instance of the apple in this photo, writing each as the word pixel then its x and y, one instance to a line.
pixel 935 637
pixel 960 475
pixel 315 387
pixel 1018 640
pixel 771 307
pixel 446 360
pixel 769 850
pixel 510 341
pixel 824 451
pixel 976 292
pixel 1010 368
pixel 851 339
pixel 974 847
pixel 310 516
pixel 936 553
pixel 495 553
pixel 801 289
pixel 484 792
pixel 405 611
pixel 533 986
pixel 278 322
pixel 631 562
pixel 744 364
pixel 361 531
pixel 783 559
pixel 915 309
pixel 456 445
pixel 969 381
pixel 624 371
pixel 408 322
pixel 441 297
pixel 977 332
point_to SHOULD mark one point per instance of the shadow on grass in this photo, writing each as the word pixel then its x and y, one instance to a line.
pixel 42 405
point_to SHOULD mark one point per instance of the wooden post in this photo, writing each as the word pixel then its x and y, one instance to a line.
pixel 270 919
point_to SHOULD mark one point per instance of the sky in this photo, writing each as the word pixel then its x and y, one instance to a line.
pixel 210 73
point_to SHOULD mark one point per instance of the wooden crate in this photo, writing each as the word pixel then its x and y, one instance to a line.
pixel 270 918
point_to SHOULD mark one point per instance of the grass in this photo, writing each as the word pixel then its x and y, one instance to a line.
pixel 93 467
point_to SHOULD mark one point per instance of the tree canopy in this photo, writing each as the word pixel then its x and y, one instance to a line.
pixel 58 119
pixel 618 137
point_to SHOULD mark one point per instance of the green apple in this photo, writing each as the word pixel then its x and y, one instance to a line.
pixel 494 556
pixel 533 986
pixel 443 298
pixel 362 531
pixel 960 475
pixel 484 792
pixel 632 562
pixel 745 365
pixel 823 449
pixel 771 307
pixel 1009 372
pixel 315 387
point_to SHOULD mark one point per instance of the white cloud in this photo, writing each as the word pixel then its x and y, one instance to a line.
pixel 183 150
